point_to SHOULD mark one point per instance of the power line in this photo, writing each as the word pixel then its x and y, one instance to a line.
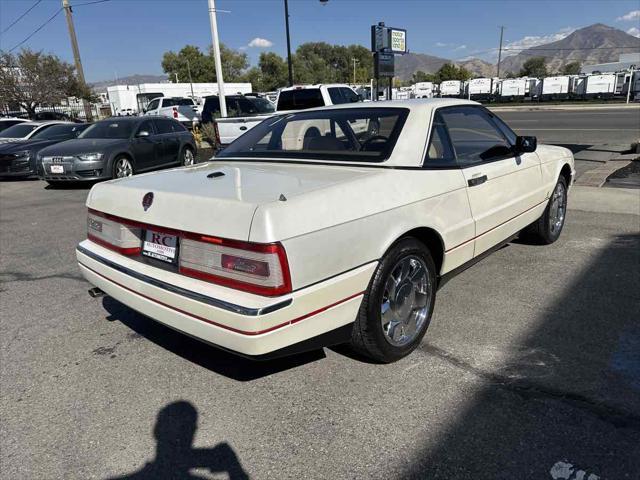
pixel 37 29
pixel 90 3
pixel 21 16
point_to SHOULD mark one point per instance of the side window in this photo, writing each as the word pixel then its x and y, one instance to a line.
pixel 474 136
pixel 163 126
pixel 147 126
pixel 153 104
pixel 439 153
pixel 336 95
pixel 504 128
pixel 349 95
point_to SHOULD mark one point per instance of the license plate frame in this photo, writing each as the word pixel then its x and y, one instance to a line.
pixel 160 246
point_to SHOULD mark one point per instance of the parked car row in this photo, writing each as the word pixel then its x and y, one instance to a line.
pixel 112 148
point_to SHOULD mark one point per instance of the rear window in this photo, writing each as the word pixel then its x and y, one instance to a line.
pixel 351 135
pixel 300 99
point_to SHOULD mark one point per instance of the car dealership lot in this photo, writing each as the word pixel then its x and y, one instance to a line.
pixel 530 363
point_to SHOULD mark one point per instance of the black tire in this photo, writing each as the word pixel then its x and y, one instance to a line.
pixel 542 231
pixel 368 337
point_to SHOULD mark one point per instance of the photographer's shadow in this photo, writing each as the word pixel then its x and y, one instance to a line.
pixel 175 456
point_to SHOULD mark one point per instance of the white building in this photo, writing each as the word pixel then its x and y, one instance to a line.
pixel 134 98
pixel 625 61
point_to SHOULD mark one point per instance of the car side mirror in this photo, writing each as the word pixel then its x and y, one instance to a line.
pixel 143 133
pixel 526 144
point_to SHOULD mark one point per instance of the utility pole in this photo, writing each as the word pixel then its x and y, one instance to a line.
pixel 630 86
pixel 216 56
pixel 286 22
pixel 76 54
pixel 500 51
pixel 190 79
pixel 355 60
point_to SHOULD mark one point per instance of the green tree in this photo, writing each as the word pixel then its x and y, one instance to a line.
pixel 449 71
pixel 274 71
pixel 572 68
pixel 31 79
pixel 420 76
pixel 534 67
pixel 202 65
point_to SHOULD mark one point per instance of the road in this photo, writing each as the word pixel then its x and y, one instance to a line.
pixel 530 364
pixel 580 126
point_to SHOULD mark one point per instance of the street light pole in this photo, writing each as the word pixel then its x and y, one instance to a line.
pixel 216 56
pixel 500 51
pixel 286 21
pixel 190 79
pixel 355 60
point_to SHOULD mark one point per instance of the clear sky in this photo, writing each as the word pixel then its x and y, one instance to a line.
pixel 123 37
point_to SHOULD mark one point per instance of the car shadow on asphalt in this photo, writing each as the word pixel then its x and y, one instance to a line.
pixel 564 403
pixel 176 458
pixel 212 358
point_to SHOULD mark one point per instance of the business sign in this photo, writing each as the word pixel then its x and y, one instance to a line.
pixel 379 38
pixel 384 64
pixel 398 40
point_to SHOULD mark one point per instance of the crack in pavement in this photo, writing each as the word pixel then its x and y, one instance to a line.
pixel 26 277
pixel 619 417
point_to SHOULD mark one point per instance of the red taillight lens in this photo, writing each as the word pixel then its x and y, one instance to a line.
pixel 112 234
pixel 175 112
pixel 255 268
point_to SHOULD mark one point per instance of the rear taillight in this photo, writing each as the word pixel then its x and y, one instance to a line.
pixel 112 234
pixel 257 268
pixel 175 112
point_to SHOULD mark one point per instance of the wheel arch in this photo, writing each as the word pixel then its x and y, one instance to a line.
pixel 566 172
pixel 431 239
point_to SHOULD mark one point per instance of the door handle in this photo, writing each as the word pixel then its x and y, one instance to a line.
pixel 477 181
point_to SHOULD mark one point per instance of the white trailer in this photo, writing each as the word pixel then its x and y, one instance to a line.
pixel 555 87
pixel 133 99
pixel 480 88
pixel 513 88
pixel 451 88
pixel 423 90
pixel 600 86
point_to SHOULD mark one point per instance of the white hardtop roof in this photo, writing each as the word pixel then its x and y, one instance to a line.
pixel 412 104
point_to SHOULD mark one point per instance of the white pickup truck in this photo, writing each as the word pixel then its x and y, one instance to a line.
pixel 299 97
pixel 184 110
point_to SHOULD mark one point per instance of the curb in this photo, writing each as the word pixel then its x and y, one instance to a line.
pixel 598 176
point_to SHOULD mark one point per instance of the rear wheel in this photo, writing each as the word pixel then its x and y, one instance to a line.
pixel 548 227
pixel 397 306
pixel 122 167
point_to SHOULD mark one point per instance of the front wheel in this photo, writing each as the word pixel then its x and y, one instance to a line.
pixel 397 307
pixel 548 227
pixel 122 167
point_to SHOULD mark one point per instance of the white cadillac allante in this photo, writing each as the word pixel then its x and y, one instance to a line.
pixel 324 226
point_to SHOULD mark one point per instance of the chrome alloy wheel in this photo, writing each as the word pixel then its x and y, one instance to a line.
pixel 188 158
pixel 405 301
pixel 558 208
pixel 123 168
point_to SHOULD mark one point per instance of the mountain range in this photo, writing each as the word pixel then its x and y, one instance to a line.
pixel 596 43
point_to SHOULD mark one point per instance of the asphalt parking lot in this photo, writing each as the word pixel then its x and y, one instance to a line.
pixel 530 369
